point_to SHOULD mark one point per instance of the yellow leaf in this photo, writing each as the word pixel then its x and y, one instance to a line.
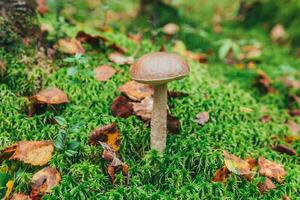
pixel 9 186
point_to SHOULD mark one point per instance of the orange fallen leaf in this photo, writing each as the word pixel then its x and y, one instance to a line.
pixel 50 96
pixel 104 72
pixel 9 188
pixel 108 134
pixel 136 91
pixel 266 185
pixel 221 175
pixel 122 107
pixel 144 108
pixel 271 169
pixel 170 29
pixel 43 181
pixel 236 165
pixel 120 59
pixel 70 46
pixel 20 196
pixel 30 152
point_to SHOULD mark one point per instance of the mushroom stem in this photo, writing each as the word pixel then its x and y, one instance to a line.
pixel 159 118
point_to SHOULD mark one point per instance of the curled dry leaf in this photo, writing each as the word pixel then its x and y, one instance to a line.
pixel 236 165
pixel 144 108
pixel 136 91
pixel 30 152
pixel 221 175
pixel 264 82
pixel 266 185
pixel 93 40
pixel 284 149
pixel 43 181
pixel 50 96
pixel 122 107
pixel 202 118
pixel 20 196
pixel 70 46
pixel 271 170
pixel 120 59
pixel 176 94
pixel 170 29
pixel 108 134
pixel 104 72
pixel 278 34
pixel 265 119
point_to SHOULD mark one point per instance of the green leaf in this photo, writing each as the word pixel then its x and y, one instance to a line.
pixel 224 49
pixel 73 145
pixel 71 71
pixel 70 152
pixel 60 120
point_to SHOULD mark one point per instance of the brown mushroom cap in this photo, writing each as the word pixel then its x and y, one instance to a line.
pixel 159 68
pixel 51 96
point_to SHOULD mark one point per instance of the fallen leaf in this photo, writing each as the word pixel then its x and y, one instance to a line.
pixel 252 162
pixel 137 38
pixel 42 6
pixel 104 72
pixel 144 108
pixel 120 59
pixel 173 124
pixel 122 107
pixel 290 83
pixel 50 96
pixel 20 196
pixel 70 46
pixel 180 48
pixel 43 181
pixel 294 127
pixel 278 34
pixel 9 188
pixel 202 118
pixel 264 82
pixel 108 134
pixel 271 169
pixel 30 152
pixel 265 119
pixel 266 185
pixel 170 29
pixel 250 52
pixel 110 155
pixel 285 197
pixel 236 165
pixel 94 40
pixel 118 48
pixel 284 149
pixel 136 91
pixel 221 175
pixel 176 94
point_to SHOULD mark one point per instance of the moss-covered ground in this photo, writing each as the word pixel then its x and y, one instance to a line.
pixel 191 158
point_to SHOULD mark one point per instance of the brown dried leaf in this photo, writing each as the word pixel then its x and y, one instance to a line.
pixel 290 83
pixel 170 29
pixel 42 6
pixel 264 82
pixel 144 108
pixel 122 107
pixel 173 124
pixel 221 175
pixel 176 94
pixel 285 197
pixel 43 181
pixel 136 91
pixel 31 152
pixel 137 38
pixel 51 96
pixel 108 134
pixel 278 34
pixel 20 196
pixel 266 119
pixel 250 52
pixel 265 186
pixel 104 72
pixel 70 46
pixel 118 48
pixel 236 165
pixel 284 149
pixel 271 169
pixel 294 127
pixel 202 118
pixel 120 59
pixel 93 40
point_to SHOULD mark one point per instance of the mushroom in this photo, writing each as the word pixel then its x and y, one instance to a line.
pixel 158 69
